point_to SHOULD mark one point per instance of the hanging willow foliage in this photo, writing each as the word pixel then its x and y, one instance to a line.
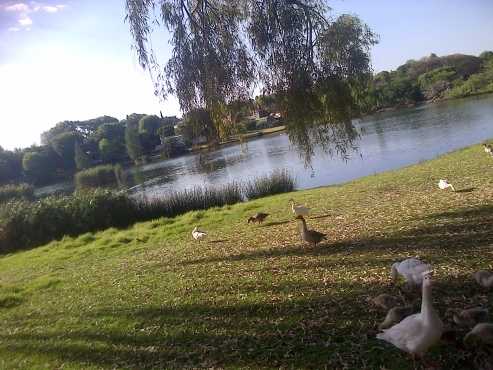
pixel 316 67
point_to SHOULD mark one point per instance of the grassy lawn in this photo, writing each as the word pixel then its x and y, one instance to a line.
pixel 253 296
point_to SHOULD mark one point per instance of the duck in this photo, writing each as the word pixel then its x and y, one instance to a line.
pixel 395 315
pixel 299 210
pixel 415 334
pixel 312 237
pixel 258 217
pixel 411 269
pixel 385 301
pixel 471 316
pixel 482 332
pixel 484 278
pixel 198 234
pixel 444 184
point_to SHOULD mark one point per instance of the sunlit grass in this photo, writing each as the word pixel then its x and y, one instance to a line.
pixel 253 296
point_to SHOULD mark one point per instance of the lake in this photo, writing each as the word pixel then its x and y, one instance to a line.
pixel 388 141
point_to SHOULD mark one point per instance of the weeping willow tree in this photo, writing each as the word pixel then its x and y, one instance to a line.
pixel 316 67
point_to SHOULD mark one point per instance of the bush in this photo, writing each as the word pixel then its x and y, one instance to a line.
pixel 26 224
pixel 98 177
pixel 21 191
pixel 279 181
pixel 197 198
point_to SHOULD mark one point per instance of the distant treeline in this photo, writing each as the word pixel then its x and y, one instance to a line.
pixel 430 79
pixel 72 146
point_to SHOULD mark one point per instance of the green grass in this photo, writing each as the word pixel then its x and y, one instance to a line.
pixel 253 296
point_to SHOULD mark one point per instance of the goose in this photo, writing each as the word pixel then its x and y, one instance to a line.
pixel 385 301
pixel 484 278
pixel 299 210
pixel 198 234
pixel 471 316
pixel 411 269
pixel 444 184
pixel 417 333
pixel 258 217
pixel 488 149
pixel 395 315
pixel 312 237
pixel 482 332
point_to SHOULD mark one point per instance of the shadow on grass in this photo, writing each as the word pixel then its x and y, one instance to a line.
pixel 466 190
pixel 467 227
pixel 275 223
pixel 293 333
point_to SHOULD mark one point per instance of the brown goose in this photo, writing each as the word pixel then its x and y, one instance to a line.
pixel 312 237
pixel 258 217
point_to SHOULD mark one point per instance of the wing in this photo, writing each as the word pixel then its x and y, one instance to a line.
pixel 404 334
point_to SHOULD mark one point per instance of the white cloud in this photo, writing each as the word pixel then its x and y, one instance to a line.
pixel 24 9
pixel 25 21
pixel 19 7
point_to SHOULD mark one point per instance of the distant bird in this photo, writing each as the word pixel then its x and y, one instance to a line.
pixel 484 278
pixel 258 217
pixel 197 234
pixel 444 184
pixel 312 237
pixel 395 315
pixel 385 301
pixel 471 316
pixel 488 149
pixel 299 209
pixel 482 333
pixel 417 333
pixel 411 269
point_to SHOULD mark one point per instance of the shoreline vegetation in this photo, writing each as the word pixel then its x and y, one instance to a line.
pixel 27 223
pixel 253 296
pixel 73 146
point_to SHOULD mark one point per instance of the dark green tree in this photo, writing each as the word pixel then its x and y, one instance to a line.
pixel 64 146
pixel 40 166
pixel 132 142
pixel 314 65
pixel 82 160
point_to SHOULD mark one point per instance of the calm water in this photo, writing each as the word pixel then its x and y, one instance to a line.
pixel 388 140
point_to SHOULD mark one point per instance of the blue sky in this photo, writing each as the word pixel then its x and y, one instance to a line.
pixel 71 60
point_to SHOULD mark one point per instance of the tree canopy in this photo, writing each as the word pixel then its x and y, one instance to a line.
pixel 222 49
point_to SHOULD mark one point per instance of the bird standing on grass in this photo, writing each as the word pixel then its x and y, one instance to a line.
pixel 444 184
pixel 311 237
pixel 258 217
pixel 484 278
pixel 488 149
pixel 411 269
pixel 299 209
pixel 417 333
pixel 197 234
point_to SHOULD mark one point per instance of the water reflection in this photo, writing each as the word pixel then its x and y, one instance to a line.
pixel 388 140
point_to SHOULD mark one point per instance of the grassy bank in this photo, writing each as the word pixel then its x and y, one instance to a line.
pixel 253 296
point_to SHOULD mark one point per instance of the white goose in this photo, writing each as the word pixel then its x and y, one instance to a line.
pixel 484 278
pixel 411 269
pixel 197 234
pixel 444 184
pixel 417 333
pixel 299 209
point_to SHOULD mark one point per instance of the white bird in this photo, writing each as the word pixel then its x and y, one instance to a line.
pixel 488 149
pixel 299 209
pixel 444 184
pixel 411 269
pixel 417 333
pixel 484 278
pixel 197 234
